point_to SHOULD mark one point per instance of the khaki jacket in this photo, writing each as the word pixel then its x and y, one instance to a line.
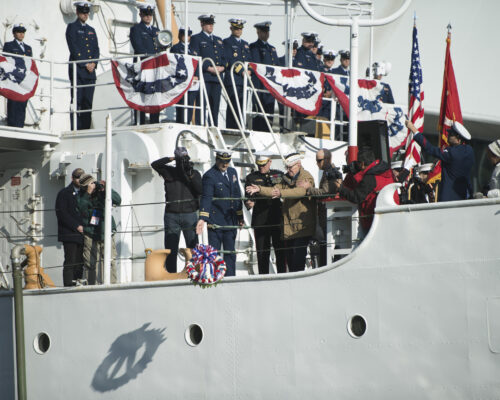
pixel 299 213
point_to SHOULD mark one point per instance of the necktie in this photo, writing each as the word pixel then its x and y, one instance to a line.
pixel 225 176
pixel 22 45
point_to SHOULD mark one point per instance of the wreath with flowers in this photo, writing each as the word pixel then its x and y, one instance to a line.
pixel 206 267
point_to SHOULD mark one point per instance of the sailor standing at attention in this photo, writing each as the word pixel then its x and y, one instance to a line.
pixel 16 110
pixel 345 62
pixel 82 45
pixel 206 45
pixel 457 161
pixel 221 181
pixel 263 53
pixel 143 39
pixel 236 50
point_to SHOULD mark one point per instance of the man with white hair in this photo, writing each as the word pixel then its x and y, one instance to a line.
pixel 299 211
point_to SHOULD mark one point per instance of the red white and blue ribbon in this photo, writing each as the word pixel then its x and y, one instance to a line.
pixel 211 266
pixel 296 88
pixel 370 107
pixel 18 78
pixel 157 82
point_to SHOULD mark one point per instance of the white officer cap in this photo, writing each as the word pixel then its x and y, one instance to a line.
pixel 207 19
pixel 262 157
pixel 309 36
pixel 223 154
pixel 263 26
pixel 381 68
pixel 146 6
pixel 329 53
pixel 18 28
pixel 237 22
pixel 495 147
pixel 82 5
pixel 292 159
pixel 425 167
pixel 458 128
pixel 397 164
pixel 346 54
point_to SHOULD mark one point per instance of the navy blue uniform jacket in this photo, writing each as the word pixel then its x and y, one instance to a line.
pixel 339 71
pixel 221 212
pixel 143 39
pixel 14 48
pixel 263 53
pixel 235 50
pixel 82 45
pixel 205 47
pixel 306 59
pixel 68 217
pixel 457 163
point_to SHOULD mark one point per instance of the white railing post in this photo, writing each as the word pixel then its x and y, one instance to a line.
pixel 353 93
pixel 74 102
pixel 108 204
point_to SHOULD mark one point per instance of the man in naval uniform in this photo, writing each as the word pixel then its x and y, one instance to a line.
pixel 83 45
pixel 221 181
pixel 16 110
pixel 326 106
pixel 263 53
pixel 143 37
pixel 305 58
pixel 206 45
pixel 282 59
pixel 266 215
pixel 345 62
pixel 236 50
pixel 180 48
pixel 457 161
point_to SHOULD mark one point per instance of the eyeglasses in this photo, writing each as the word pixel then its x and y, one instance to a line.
pixel 319 159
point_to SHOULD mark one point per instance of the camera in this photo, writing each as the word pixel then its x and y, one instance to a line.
pixel 334 173
pixel 352 167
pixel 99 186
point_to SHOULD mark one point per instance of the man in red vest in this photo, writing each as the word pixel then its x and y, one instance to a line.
pixel 371 176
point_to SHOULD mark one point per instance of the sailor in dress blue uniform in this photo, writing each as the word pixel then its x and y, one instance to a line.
pixel 221 181
pixel 16 110
pixel 83 45
pixel 207 45
pixel 457 162
pixel 180 48
pixel 345 62
pixel 282 59
pixel 143 38
pixel 326 106
pixel 263 53
pixel 236 50
pixel 305 58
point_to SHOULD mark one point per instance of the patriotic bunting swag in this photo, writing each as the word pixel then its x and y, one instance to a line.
pixel 296 88
pixel 206 267
pixel 157 82
pixel 18 78
pixel 371 108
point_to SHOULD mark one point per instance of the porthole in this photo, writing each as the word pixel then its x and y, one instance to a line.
pixel 356 326
pixel 41 344
pixel 194 335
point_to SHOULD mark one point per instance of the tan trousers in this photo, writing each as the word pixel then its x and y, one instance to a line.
pixel 93 259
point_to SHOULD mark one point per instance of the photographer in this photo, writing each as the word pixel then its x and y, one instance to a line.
pixel 326 188
pixel 368 177
pixel 91 207
pixel 182 191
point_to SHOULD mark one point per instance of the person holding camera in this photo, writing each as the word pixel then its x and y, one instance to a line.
pixel 182 192
pixel 368 177
pixel 326 188
pixel 91 206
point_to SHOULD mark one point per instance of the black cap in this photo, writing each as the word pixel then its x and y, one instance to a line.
pixel 263 26
pixel 18 28
pixel 345 54
pixel 82 7
pixel 207 19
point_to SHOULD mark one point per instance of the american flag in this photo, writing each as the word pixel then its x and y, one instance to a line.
pixel 416 104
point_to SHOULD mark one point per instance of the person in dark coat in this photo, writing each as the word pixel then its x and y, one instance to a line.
pixel 70 229
pixel 266 215
pixel 263 53
pixel 326 105
pixel 180 48
pixel 221 181
pixel 236 50
pixel 282 59
pixel 143 39
pixel 83 45
pixel 382 69
pixel 345 62
pixel 182 193
pixel 457 161
pixel 16 110
pixel 305 58
pixel 206 45
pixel 419 191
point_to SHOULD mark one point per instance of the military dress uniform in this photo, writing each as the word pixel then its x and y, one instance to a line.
pixel 266 221
pixel 143 40
pixel 210 46
pixel 16 110
pixel 180 48
pixel 235 50
pixel 263 53
pixel 222 212
pixel 326 105
pixel 83 45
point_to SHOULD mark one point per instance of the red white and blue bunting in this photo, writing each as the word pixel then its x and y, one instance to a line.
pixel 18 78
pixel 155 83
pixel 206 267
pixel 296 88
